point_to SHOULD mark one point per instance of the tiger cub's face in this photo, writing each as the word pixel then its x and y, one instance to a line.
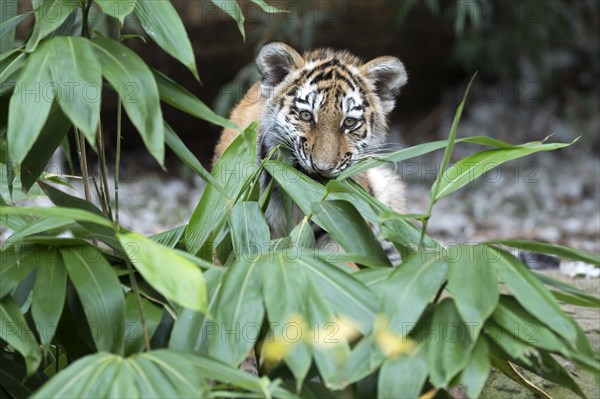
pixel 326 107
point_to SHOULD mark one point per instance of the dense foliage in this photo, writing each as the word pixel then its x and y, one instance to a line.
pixel 106 312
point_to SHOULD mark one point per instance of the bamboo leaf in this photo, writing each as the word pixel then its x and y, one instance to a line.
pixel 435 188
pixel 552 249
pixel 49 16
pixel 34 90
pixel 76 72
pixel 49 293
pixel 473 166
pixel 284 289
pixel 71 214
pixel 231 8
pixel 161 22
pixel 409 289
pixel 100 293
pixel 53 133
pixel 448 350
pixel 249 230
pixel 16 264
pixel 131 78
pixel 238 313
pixel 134 330
pixel 531 294
pixel 231 171
pixel 175 95
pixel 346 296
pixel 118 9
pixel 348 228
pixel 403 377
pixel 473 283
pixel 16 333
pixel 192 329
pixel 475 375
pixel 169 273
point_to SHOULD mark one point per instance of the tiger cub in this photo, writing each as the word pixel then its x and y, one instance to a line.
pixel 329 109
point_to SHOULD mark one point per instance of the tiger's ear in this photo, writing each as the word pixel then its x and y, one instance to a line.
pixel 388 75
pixel 275 61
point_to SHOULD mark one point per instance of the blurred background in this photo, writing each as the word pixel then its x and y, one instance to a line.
pixel 538 64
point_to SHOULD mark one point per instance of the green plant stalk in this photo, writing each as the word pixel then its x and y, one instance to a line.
pixel 80 143
pixel 100 196
pixel 117 162
pixel 85 27
pixel 445 161
pixel 103 170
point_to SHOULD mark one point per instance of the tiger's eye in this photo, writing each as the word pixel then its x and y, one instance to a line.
pixel 349 123
pixel 306 116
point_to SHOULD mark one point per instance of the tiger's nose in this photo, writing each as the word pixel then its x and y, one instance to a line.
pixel 323 168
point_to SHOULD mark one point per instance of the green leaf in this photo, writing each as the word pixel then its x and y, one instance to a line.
pixel 348 228
pixel 396 156
pixel 134 330
pixel 49 293
pixel 10 66
pixel 54 131
pixel 568 293
pixel 284 290
pixel 435 188
pixel 180 98
pixel 17 263
pixel 473 283
pixel 236 164
pixel 65 213
pixel 37 226
pixel 474 376
pixel 16 333
pixel 188 158
pixel 192 329
pixel 49 16
pixel 102 231
pixel 100 293
pixel 133 81
pixel 526 327
pixel 409 289
pixel 404 376
pixel 169 273
pixel 7 27
pixel 249 230
pixel 373 278
pixel 231 8
pixel 473 166
pixel 347 296
pixel 267 7
pixel 118 9
pixel 332 352
pixel 34 90
pixel 531 294
pixel 238 313
pixel 449 347
pixel 303 234
pixel 75 70
pixel 415 151
pixel 161 22
pixel 552 249
pixel 169 238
